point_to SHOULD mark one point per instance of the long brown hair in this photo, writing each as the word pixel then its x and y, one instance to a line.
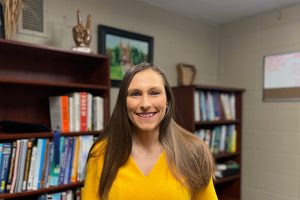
pixel 189 159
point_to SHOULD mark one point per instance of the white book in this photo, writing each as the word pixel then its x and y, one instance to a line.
pixel 197 106
pixel 223 138
pixel 76 111
pixel 98 113
pixel 32 168
pixel 71 114
pixel 22 161
pixel 232 105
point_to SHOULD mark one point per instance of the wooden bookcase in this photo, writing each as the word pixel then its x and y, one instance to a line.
pixel 30 74
pixel 227 188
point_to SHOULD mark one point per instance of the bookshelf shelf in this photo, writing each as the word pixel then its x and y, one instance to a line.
pixel 41 191
pixel 29 75
pixel 189 100
pixel 217 122
pixel 225 155
pixel 227 179
pixel 10 136
pixel 29 83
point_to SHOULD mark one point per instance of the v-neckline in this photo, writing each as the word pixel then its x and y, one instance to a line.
pixel 152 169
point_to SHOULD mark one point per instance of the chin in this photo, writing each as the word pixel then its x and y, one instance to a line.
pixel 146 129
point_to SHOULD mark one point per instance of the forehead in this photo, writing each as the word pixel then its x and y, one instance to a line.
pixel 147 78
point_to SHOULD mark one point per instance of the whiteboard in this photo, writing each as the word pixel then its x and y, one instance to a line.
pixel 282 71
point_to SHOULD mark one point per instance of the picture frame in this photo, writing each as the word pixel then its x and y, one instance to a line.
pixel 124 49
pixel 185 74
pixel 2 27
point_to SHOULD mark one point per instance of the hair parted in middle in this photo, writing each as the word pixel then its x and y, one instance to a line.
pixel 189 158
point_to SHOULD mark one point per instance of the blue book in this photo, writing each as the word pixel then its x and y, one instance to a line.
pixel 63 163
pixel 5 163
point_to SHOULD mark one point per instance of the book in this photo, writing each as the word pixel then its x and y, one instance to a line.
pixel 227 165
pixel 59 113
pixel 6 154
pixel 48 165
pixel 32 168
pixel 15 172
pixel 11 168
pixel 75 161
pixel 27 163
pixel 45 164
pixel 75 113
pixel 83 111
pixel 41 146
pixel 21 165
pixel 98 113
pixel 89 112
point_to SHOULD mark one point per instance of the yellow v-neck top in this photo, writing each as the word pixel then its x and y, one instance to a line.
pixel 131 184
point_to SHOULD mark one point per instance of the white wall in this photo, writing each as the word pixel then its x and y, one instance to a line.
pixel 176 38
pixel 271 130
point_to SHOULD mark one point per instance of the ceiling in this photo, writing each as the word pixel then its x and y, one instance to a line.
pixel 221 11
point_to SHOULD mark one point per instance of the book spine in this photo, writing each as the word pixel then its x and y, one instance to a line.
pixel 11 168
pixel 12 189
pixel 45 163
pixel 27 164
pixel 65 113
pixel 5 165
pixel 83 111
pixel 22 159
pixel 38 164
pixel 75 161
pixel 32 168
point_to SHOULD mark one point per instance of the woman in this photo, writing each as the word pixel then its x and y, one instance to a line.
pixel 144 154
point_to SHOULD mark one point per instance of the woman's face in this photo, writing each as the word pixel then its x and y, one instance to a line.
pixel 146 100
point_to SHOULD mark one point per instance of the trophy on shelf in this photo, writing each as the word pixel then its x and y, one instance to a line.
pixel 82 35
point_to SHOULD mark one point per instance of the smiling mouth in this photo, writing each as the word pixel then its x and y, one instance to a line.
pixel 146 115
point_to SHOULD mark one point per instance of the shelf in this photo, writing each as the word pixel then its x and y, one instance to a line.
pixel 41 191
pixel 217 122
pixel 227 179
pixel 15 136
pixel 226 155
pixel 24 83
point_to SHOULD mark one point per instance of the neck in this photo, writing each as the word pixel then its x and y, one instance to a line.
pixel 146 140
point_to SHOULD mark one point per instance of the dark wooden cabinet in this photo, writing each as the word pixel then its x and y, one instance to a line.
pixel 30 74
pixel 228 188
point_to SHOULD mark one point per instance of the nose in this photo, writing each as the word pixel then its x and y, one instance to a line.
pixel 145 104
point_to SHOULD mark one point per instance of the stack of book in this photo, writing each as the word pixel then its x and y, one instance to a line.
pixel 76 112
pixel 229 168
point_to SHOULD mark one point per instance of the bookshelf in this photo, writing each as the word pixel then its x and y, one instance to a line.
pixel 227 187
pixel 29 75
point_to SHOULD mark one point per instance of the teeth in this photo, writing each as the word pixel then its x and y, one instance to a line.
pixel 145 114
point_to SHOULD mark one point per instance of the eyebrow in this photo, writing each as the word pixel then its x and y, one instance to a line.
pixel 152 88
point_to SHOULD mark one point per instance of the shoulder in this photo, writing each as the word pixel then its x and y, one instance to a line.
pixel 207 193
pixel 98 148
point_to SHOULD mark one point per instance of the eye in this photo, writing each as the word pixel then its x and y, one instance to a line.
pixel 154 93
pixel 134 94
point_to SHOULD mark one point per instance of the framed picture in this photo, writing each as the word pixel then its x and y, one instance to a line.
pixel 2 29
pixel 124 50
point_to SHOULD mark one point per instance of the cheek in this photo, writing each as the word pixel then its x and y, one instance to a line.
pixel 131 105
pixel 161 104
